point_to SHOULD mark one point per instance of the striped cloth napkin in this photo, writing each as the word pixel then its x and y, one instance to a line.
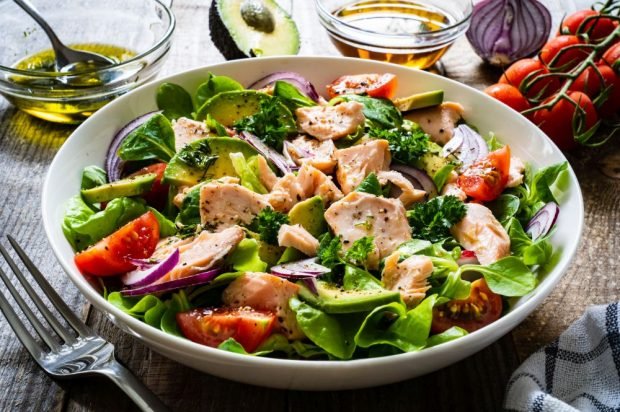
pixel 579 371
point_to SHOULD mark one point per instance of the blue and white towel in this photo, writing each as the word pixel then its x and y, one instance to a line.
pixel 579 371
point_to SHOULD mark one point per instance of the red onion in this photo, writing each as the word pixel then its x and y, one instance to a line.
pixel 194 280
pixel 418 178
pixel 293 78
pixel 147 272
pixel 503 31
pixel 284 165
pixel 113 164
pixel 299 269
pixel 311 285
pixel 543 221
pixel 468 257
pixel 467 145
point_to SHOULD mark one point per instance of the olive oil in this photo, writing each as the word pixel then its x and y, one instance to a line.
pixel 385 18
pixel 63 99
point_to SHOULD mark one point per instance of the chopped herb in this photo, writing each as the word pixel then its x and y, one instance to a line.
pixel 268 124
pixel 432 220
pixel 198 156
pixel 406 146
pixel 358 252
pixel 329 250
pixel 267 224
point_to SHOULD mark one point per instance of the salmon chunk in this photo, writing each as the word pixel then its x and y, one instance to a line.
pixel 293 188
pixel 452 188
pixel 319 154
pixel 330 122
pixel 438 121
pixel 187 131
pixel 262 291
pixel 409 277
pixel 515 172
pixel 266 176
pixel 408 193
pixel 481 232
pixel 299 238
pixel 361 214
pixel 357 162
pixel 203 252
pixel 223 205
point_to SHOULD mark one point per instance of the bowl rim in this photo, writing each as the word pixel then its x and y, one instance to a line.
pixel 326 14
pixel 198 351
pixel 52 75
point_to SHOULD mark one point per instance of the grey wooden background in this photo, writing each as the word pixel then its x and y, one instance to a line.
pixel 27 146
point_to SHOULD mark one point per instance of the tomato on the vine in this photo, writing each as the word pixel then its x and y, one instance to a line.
pixel 597 28
pixel 481 308
pixel 485 180
pixel 509 95
pixel 569 58
pixel 612 57
pixel 372 84
pixel 589 81
pixel 527 72
pixel 610 107
pixel 557 122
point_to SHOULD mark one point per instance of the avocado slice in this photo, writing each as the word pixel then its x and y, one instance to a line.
pixel 310 214
pixel 432 161
pixel 333 299
pixel 419 100
pixel 131 186
pixel 252 28
pixel 180 173
pixel 228 107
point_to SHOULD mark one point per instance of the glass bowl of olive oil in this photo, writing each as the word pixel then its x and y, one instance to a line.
pixel 135 34
pixel 414 33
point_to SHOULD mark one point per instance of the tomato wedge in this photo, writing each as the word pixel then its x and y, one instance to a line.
pixel 481 308
pixel 158 195
pixel 486 178
pixel 211 327
pixel 108 257
pixel 372 84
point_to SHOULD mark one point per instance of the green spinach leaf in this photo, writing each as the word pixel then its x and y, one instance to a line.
pixel 213 86
pixel 174 100
pixel 380 112
pixel 533 252
pixel 93 176
pixel 152 140
pixel 290 96
pixel 508 276
pixel 504 207
pixel 446 336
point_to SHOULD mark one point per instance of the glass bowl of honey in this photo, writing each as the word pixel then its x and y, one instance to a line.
pixel 414 33
pixel 135 34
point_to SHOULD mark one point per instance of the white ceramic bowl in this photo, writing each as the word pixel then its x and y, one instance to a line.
pixel 88 144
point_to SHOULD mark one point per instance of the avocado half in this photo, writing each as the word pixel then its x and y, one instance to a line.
pixel 252 28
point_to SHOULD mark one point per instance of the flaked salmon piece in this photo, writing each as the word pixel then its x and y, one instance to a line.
pixel 187 131
pixel 266 176
pixel 409 277
pixel 319 154
pixel 357 162
pixel 223 205
pixel 203 252
pixel 262 291
pixel 452 188
pixel 438 121
pixel 409 194
pixel 480 231
pixel 298 237
pixel 309 181
pixel 183 190
pixel 515 172
pixel 330 122
pixel 362 214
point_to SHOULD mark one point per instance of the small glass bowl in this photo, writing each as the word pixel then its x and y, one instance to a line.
pixel 383 41
pixel 141 27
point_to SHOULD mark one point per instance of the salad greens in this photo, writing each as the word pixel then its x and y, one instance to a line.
pixel 153 140
pixel 267 224
pixel 406 146
pixel 174 100
pixel 432 220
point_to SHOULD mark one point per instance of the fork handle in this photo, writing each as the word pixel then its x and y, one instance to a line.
pixel 133 387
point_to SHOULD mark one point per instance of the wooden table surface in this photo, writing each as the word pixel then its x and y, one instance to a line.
pixel 27 146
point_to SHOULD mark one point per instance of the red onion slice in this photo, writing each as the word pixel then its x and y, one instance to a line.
pixel 418 178
pixel 468 146
pixel 300 269
pixel 148 273
pixel 311 284
pixel 284 165
pixel 194 280
pixel 543 221
pixel 113 164
pixel 293 78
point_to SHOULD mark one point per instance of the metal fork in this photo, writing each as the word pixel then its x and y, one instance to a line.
pixel 82 352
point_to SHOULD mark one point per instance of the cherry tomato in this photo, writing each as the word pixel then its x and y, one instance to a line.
pixel 569 58
pixel 612 57
pixel 108 257
pixel 557 122
pixel 481 308
pixel 523 73
pixel 158 195
pixel 596 28
pixel 589 81
pixel 211 327
pixel 611 106
pixel 372 84
pixel 509 95
pixel 487 177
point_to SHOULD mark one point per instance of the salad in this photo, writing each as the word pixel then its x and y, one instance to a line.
pixel 270 221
